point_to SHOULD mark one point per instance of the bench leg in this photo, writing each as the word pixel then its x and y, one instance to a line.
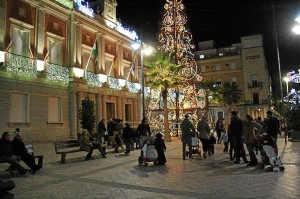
pixel 40 161
pixel 63 158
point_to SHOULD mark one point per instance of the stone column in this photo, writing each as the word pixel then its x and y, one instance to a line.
pixel 98 109
pixel 73 114
pixel 78 106
pixel 72 42
pixel 3 10
pixel 40 36
pixel 101 53
pixel 104 108
pixel 118 106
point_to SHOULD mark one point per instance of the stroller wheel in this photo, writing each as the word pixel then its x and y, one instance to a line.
pixel 281 168
pixel 140 160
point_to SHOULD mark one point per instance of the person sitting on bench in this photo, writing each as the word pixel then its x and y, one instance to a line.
pixel 6 155
pixel 19 149
pixel 87 145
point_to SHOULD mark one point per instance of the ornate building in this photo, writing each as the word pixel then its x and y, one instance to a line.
pixel 54 54
pixel 243 64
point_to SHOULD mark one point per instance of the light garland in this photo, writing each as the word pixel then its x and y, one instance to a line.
pixel 93 79
pixel 114 83
pixel 57 73
pixel 20 65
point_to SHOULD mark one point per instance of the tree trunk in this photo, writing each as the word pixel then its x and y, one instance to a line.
pixel 166 118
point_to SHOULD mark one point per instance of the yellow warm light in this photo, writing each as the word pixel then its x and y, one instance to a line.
pixel 103 78
pixel 40 65
pixel 78 72
pixel 122 82
pixel 2 56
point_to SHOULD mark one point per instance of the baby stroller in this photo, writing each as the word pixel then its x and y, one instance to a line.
pixel 195 147
pixel 270 160
pixel 148 151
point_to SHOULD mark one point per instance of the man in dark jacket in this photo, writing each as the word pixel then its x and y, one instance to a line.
pixel 19 149
pixel 6 155
pixel 188 130
pixel 236 138
pixel 272 127
pixel 101 130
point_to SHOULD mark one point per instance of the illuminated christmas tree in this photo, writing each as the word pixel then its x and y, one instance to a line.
pixel 175 39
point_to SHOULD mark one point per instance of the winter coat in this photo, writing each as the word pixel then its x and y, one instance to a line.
pixel 248 131
pixel 5 148
pixel 187 128
pixel 85 143
pixel 203 129
pixel 18 147
pixel 235 129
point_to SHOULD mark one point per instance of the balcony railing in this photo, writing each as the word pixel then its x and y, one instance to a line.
pixel 57 73
pixel 30 68
pixel 21 65
pixel 93 79
pixel 255 85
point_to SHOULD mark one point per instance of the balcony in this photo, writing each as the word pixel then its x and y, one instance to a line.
pixel 32 69
pixel 255 85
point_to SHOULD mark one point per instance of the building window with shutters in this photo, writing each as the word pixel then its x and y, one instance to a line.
pixel 54 110
pixel 19 108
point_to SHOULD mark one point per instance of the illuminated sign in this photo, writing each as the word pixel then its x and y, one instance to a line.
pixel 293 77
pixel 84 7
pixel 126 31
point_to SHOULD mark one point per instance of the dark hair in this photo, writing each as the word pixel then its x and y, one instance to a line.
pixel 4 134
pixel 17 129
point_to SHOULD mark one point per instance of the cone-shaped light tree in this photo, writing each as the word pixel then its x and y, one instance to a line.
pixel 176 40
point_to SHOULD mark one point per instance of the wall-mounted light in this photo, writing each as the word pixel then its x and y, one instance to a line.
pixel 78 72
pixel 40 65
pixel 2 57
pixel 102 78
pixel 138 86
pixel 122 82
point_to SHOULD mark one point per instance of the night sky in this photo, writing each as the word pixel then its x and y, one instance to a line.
pixel 225 21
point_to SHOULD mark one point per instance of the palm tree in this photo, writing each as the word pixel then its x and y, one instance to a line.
pixel 162 74
pixel 230 94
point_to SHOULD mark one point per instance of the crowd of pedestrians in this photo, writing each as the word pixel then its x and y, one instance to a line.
pixel 240 133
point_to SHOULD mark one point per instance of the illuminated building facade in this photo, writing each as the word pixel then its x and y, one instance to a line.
pixel 53 54
pixel 243 64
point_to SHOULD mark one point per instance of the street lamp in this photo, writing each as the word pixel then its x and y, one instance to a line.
pixel 286 79
pixel 296 28
pixel 138 44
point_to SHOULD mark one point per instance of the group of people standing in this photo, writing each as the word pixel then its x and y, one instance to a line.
pixel 239 132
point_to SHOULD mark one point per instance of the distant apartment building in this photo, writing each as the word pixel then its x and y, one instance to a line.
pixel 54 54
pixel 243 64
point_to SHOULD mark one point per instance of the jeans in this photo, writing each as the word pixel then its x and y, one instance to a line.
pixel 186 141
pixel 14 163
pixel 250 147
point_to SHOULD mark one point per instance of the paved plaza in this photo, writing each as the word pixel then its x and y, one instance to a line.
pixel 120 176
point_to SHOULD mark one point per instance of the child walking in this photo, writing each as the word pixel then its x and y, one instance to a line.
pixel 160 148
pixel 224 139
pixel 212 141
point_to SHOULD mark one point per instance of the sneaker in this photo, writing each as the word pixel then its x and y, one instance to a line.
pixel 183 158
pixel 246 161
pixel 236 162
pixel 104 156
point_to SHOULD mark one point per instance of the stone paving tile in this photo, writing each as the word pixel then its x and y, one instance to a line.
pixel 120 176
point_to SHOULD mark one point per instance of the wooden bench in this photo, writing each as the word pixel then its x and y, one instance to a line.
pixel 66 146
pixel 40 158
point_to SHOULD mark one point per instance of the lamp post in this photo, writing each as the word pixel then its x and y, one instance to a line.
pixel 138 44
pixel 286 79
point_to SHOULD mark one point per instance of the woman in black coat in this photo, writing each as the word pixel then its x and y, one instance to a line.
pixel 160 148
